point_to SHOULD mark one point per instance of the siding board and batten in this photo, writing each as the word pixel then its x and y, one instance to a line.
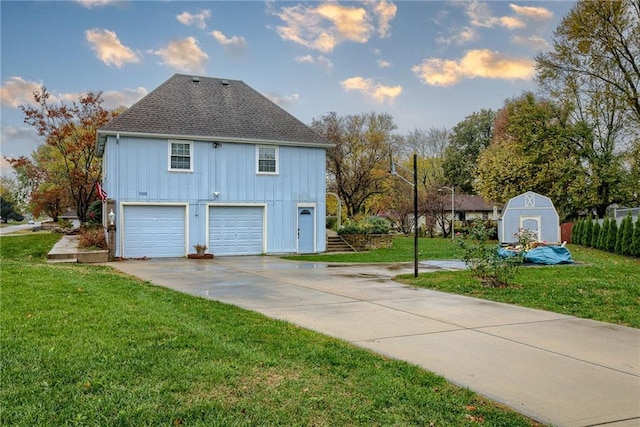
pixel 223 195
pixel 532 211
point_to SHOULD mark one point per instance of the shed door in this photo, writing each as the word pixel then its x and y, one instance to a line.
pixel 531 224
pixel 236 230
pixel 154 231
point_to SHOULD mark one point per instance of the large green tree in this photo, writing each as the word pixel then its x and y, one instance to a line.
pixel 358 165
pixel 599 41
pixel 467 140
pixel 529 152
pixel 71 131
pixel 593 70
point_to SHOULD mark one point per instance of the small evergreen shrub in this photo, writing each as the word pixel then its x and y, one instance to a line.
pixel 613 235
pixel 618 247
pixel 588 230
pixel 94 213
pixel 604 232
pixel 635 244
pixel 595 234
pixel 627 235
pixel 575 232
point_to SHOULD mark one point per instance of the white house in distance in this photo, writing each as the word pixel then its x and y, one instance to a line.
pixel 213 162
pixel 533 212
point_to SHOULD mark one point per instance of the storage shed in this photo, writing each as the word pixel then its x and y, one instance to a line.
pixel 532 211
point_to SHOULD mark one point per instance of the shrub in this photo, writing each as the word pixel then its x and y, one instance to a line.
pixel 331 222
pixel 627 235
pixel 575 232
pixel 588 230
pixel 604 232
pixel 613 235
pixel 94 213
pixel 635 244
pixel 618 247
pixel 595 234
pixel 483 258
pixel 371 225
pixel 92 237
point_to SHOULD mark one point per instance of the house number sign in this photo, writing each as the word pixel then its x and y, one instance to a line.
pixel 142 193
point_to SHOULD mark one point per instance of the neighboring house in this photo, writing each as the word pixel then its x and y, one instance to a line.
pixel 212 161
pixel 533 212
pixel 469 207
pixel 71 216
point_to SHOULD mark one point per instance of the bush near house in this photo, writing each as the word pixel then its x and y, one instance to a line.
pixel 92 237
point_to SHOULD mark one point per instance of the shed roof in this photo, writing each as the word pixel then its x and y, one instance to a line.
pixel 208 108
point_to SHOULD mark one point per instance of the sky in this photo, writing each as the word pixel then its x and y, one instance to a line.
pixel 426 63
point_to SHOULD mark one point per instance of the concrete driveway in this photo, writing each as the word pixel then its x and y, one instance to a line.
pixel 554 368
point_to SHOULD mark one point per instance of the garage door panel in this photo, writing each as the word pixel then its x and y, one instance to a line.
pixel 154 231
pixel 236 230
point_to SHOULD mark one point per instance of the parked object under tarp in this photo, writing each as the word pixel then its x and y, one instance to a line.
pixel 547 255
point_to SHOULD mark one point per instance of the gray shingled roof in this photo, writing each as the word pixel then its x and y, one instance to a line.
pixel 207 108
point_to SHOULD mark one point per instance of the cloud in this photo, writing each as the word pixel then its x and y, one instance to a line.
pixel 325 26
pixel 127 97
pixel 235 44
pixel 480 16
pixel 370 89
pixel 283 101
pixel 320 61
pixel 385 13
pixel 17 91
pixel 384 64
pixel 183 55
pixel 196 19
pixel 538 13
pixel 459 36
pixel 532 42
pixel 109 49
pixel 475 63
pixel 89 4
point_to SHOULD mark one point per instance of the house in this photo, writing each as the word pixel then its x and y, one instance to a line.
pixel 533 212
pixel 213 162
pixel 469 207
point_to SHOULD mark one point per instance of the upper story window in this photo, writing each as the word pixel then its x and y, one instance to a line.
pixel 267 159
pixel 181 156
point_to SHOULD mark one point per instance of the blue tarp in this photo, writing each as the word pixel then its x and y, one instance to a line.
pixel 548 255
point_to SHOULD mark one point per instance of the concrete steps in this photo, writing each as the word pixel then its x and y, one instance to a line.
pixel 337 244
pixel 66 250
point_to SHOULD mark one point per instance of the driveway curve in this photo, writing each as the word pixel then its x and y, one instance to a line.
pixel 554 368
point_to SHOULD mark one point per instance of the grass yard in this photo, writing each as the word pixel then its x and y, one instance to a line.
pixel 600 286
pixel 402 251
pixel 83 345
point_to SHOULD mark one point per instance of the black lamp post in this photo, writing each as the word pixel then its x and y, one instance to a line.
pixel 415 208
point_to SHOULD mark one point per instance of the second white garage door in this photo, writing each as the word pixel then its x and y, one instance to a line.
pixel 236 230
pixel 154 231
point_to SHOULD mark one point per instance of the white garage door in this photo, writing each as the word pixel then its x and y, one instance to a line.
pixel 154 231
pixel 235 230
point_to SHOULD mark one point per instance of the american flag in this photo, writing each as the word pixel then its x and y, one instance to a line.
pixel 102 195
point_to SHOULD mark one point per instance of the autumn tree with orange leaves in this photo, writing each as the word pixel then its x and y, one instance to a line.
pixel 70 130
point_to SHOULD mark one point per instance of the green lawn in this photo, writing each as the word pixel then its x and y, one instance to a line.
pixel 402 251
pixel 600 286
pixel 83 345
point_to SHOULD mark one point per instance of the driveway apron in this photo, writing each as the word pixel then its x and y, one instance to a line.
pixel 554 368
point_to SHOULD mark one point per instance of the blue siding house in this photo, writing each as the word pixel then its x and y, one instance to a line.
pixel 213 162
pixel 533 212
